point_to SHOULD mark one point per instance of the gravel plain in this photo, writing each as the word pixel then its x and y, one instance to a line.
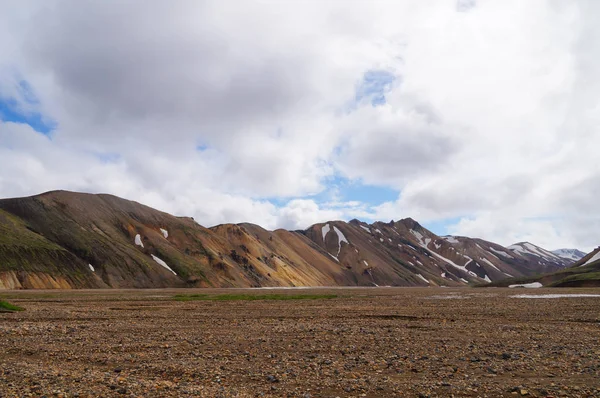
pixel 369 342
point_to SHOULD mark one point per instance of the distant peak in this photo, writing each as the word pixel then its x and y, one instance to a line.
pixel 410 223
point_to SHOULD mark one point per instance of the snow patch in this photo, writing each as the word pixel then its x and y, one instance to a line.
pixel 493 255
pixel 365 228
pixel 161 262
pixel 341 238
pixel 334 257
pixel 366 263
pixel 378 231
pixel 502 253
pixel 596 257
pixel 528 248
pixel 488 262
pixel 325 230
pixel 571 254
pixel 91 267
pixel 423 278
pixel 487 279
pixel 464 280
pixel 447 297
pixel 450 239
pixel 418 235
pixel 533 285
pixel 552 296
pixel 464 268
pixel 164 232
pixel 138 240
pixel 540 251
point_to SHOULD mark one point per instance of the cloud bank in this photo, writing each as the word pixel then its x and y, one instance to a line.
pixel 481 115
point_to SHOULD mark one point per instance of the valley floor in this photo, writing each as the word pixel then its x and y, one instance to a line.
pixel 369 342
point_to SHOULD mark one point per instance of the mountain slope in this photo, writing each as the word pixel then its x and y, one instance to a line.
pixel 406 253
pixel 569 254
pixel 545 258
pixel 584 273
pixel 28 260
pixel 104 241
pixel 66 239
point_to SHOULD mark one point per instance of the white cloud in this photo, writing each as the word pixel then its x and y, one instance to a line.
pixel 492 115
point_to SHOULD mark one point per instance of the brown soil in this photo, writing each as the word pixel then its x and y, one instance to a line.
pixel 376 342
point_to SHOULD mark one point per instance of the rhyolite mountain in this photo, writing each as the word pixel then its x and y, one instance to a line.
pixel 583 273
pixel 571 254
pixel 66 239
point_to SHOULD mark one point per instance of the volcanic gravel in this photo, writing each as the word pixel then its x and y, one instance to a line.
pixel 369 342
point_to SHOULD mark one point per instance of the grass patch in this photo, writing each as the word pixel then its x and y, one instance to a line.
pixel 252 297
pixel 6 306
pixel 582 277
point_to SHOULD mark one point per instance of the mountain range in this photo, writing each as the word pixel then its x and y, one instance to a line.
pixel 66 239
pixel 583 273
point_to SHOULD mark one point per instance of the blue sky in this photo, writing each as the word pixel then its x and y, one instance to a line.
pixel 374 86
pixel 13 110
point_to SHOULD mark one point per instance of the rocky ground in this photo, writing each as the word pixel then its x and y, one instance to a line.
pixel 376 342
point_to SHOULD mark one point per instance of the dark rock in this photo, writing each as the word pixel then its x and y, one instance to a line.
pixel 272 379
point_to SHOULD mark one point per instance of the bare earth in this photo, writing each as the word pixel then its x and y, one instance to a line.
pixel 369 342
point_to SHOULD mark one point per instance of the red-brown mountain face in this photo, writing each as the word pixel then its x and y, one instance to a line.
pixel 85 240
pixel 74 240
pixel 405 253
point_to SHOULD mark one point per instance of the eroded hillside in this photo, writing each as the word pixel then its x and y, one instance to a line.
pixel 73 240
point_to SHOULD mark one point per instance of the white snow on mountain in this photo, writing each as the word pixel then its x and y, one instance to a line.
pixel 161 262
pixel 527 248
pixel 570 254
pixel 502 253
pixel 450 239
pixel 365 228
pixel 341 238
pixel 325 230
pixel 596 257
pixel 488 262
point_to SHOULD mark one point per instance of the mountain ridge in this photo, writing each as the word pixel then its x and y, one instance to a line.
pixel 81 240
pixel 572 254
pixel 582 273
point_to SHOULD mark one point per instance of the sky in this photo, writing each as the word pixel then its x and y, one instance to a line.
pixel 475 118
